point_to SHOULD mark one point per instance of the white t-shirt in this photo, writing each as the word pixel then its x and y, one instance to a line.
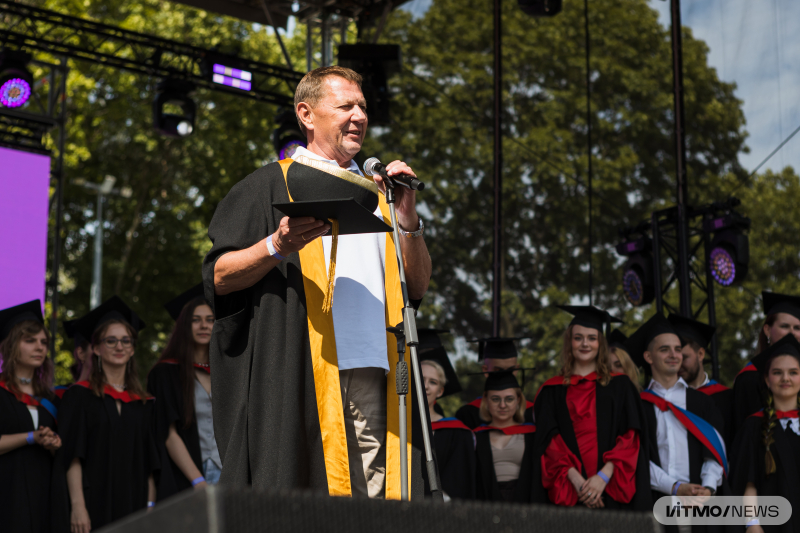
pixel 359 295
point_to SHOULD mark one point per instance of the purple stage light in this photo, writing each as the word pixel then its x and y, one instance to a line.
pixel 231 82
pixel 15 92
pixel 632 286
pixel 232 72
pixel 290 148
pixel 723 267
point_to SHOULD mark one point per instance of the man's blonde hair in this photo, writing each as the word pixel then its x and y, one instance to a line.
pixel 311 88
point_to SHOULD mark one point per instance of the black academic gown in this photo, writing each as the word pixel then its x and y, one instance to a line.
pixel 271 391
pixel 619 409
pixel 163 383
pixel 470 414
pixel 704 407
pixel 25 473
pixel 723 400
pixel 486 482
pixel 117 451
pixel 748 397
pixel 748 465
pixel 455 457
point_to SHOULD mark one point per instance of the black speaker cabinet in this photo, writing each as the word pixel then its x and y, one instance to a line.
pixel 239 510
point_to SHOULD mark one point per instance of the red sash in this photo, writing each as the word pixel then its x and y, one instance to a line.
pixel 123 396
pixel 511 430
pixel 712 387
pixel 449 423
pixel 27 399
pixel 779 414
pixel 204 368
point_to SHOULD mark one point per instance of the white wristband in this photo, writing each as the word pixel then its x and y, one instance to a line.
pixel 272 251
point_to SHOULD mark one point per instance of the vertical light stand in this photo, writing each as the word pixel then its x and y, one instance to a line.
pixel 411 338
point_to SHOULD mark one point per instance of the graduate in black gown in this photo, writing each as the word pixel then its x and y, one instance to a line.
pixel 591 438
pixel 765 460
pixel 687 452
pixel 619 361
pixel 181 375
pixel 109 451
pixel 782 313
pixel 453 441
pixel 505 443
pixel 496 354
pixel 28 432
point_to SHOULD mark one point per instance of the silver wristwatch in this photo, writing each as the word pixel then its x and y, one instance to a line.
pixel 410 234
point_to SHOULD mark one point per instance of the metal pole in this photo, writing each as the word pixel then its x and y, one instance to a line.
pixel 97 274
pixel 325 32
pixel 497 232
pixel 712 308
pixel 656 231
pixel 589 148
pixel 309 44
pixel 682 192
pixel 61 93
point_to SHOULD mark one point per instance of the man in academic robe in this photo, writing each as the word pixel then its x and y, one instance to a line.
pixel 497 355
pixel 695 338
pixel 299 382
pixel 687 453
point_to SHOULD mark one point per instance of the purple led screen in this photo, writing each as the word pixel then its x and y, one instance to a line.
pixel 24 190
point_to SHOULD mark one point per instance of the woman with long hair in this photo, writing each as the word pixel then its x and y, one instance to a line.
pixel 28 435
pixel 782 317
pixel 583 461
pixel 618 360
pixel 181 380
pixel 505 445
pixel 109 451
pixel 765 459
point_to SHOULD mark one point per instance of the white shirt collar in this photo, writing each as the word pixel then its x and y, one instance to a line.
pixel 793 423
pixel 705 381
pixel 311 155
pixel 659 389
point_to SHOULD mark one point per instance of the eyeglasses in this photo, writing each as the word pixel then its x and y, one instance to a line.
pixel 507 400
pixel 111 342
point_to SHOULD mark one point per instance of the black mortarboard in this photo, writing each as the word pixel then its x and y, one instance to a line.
pixel 616 339
pixel 788 345
pixel 637 343
pixel 72 332
pixel 325 191
pixel 497 347
pixel 14 315
pixel 501 380
pixel 113 308
pixel 589 316
pixel 175 306
pixel 781 303
pixel 692 330
pixel 431 349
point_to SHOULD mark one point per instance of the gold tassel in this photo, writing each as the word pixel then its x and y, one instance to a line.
pixel 326 303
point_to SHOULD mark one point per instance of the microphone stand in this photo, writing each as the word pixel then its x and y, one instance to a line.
pixel 408 336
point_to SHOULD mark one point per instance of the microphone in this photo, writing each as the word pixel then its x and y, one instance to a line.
pixel 372 166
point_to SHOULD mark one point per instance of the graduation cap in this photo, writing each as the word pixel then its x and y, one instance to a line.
pixel 787 345
pixel 175 306
pixel 589 316
pixel 501 380
pixel 692 330
pixel 638 343
pixel 72 332
pixel 19 313
pixel 781 303
pixel 324 191
pixel 497 347
pixel 431 349
pixel 616 339
pixel 113 308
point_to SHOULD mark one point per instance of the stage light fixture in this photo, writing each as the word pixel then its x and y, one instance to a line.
pixel 16 81
pixel 729 257
pixel 173 109
pixel 287 137
pixel 540 8
pixel 232 77
pixel 638 284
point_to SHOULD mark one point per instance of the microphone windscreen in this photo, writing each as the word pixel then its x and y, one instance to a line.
pixel 369 166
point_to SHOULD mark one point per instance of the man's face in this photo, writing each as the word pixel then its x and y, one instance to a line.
pixel 692 364
pixel 339 120
pixel 664 355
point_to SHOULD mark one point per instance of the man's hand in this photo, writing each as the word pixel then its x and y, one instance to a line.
pixel 294 233
pixel 693 489
pixel 406 199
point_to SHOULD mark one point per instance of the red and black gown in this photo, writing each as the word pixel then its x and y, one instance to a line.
pixel 748 394
pixel 568 435
pixel 163 382
pixel 26 492
pixel 470 414
pixel 455 456
pixel 748 464
pixel 487 487
pixel 723 399
pixel 116 449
